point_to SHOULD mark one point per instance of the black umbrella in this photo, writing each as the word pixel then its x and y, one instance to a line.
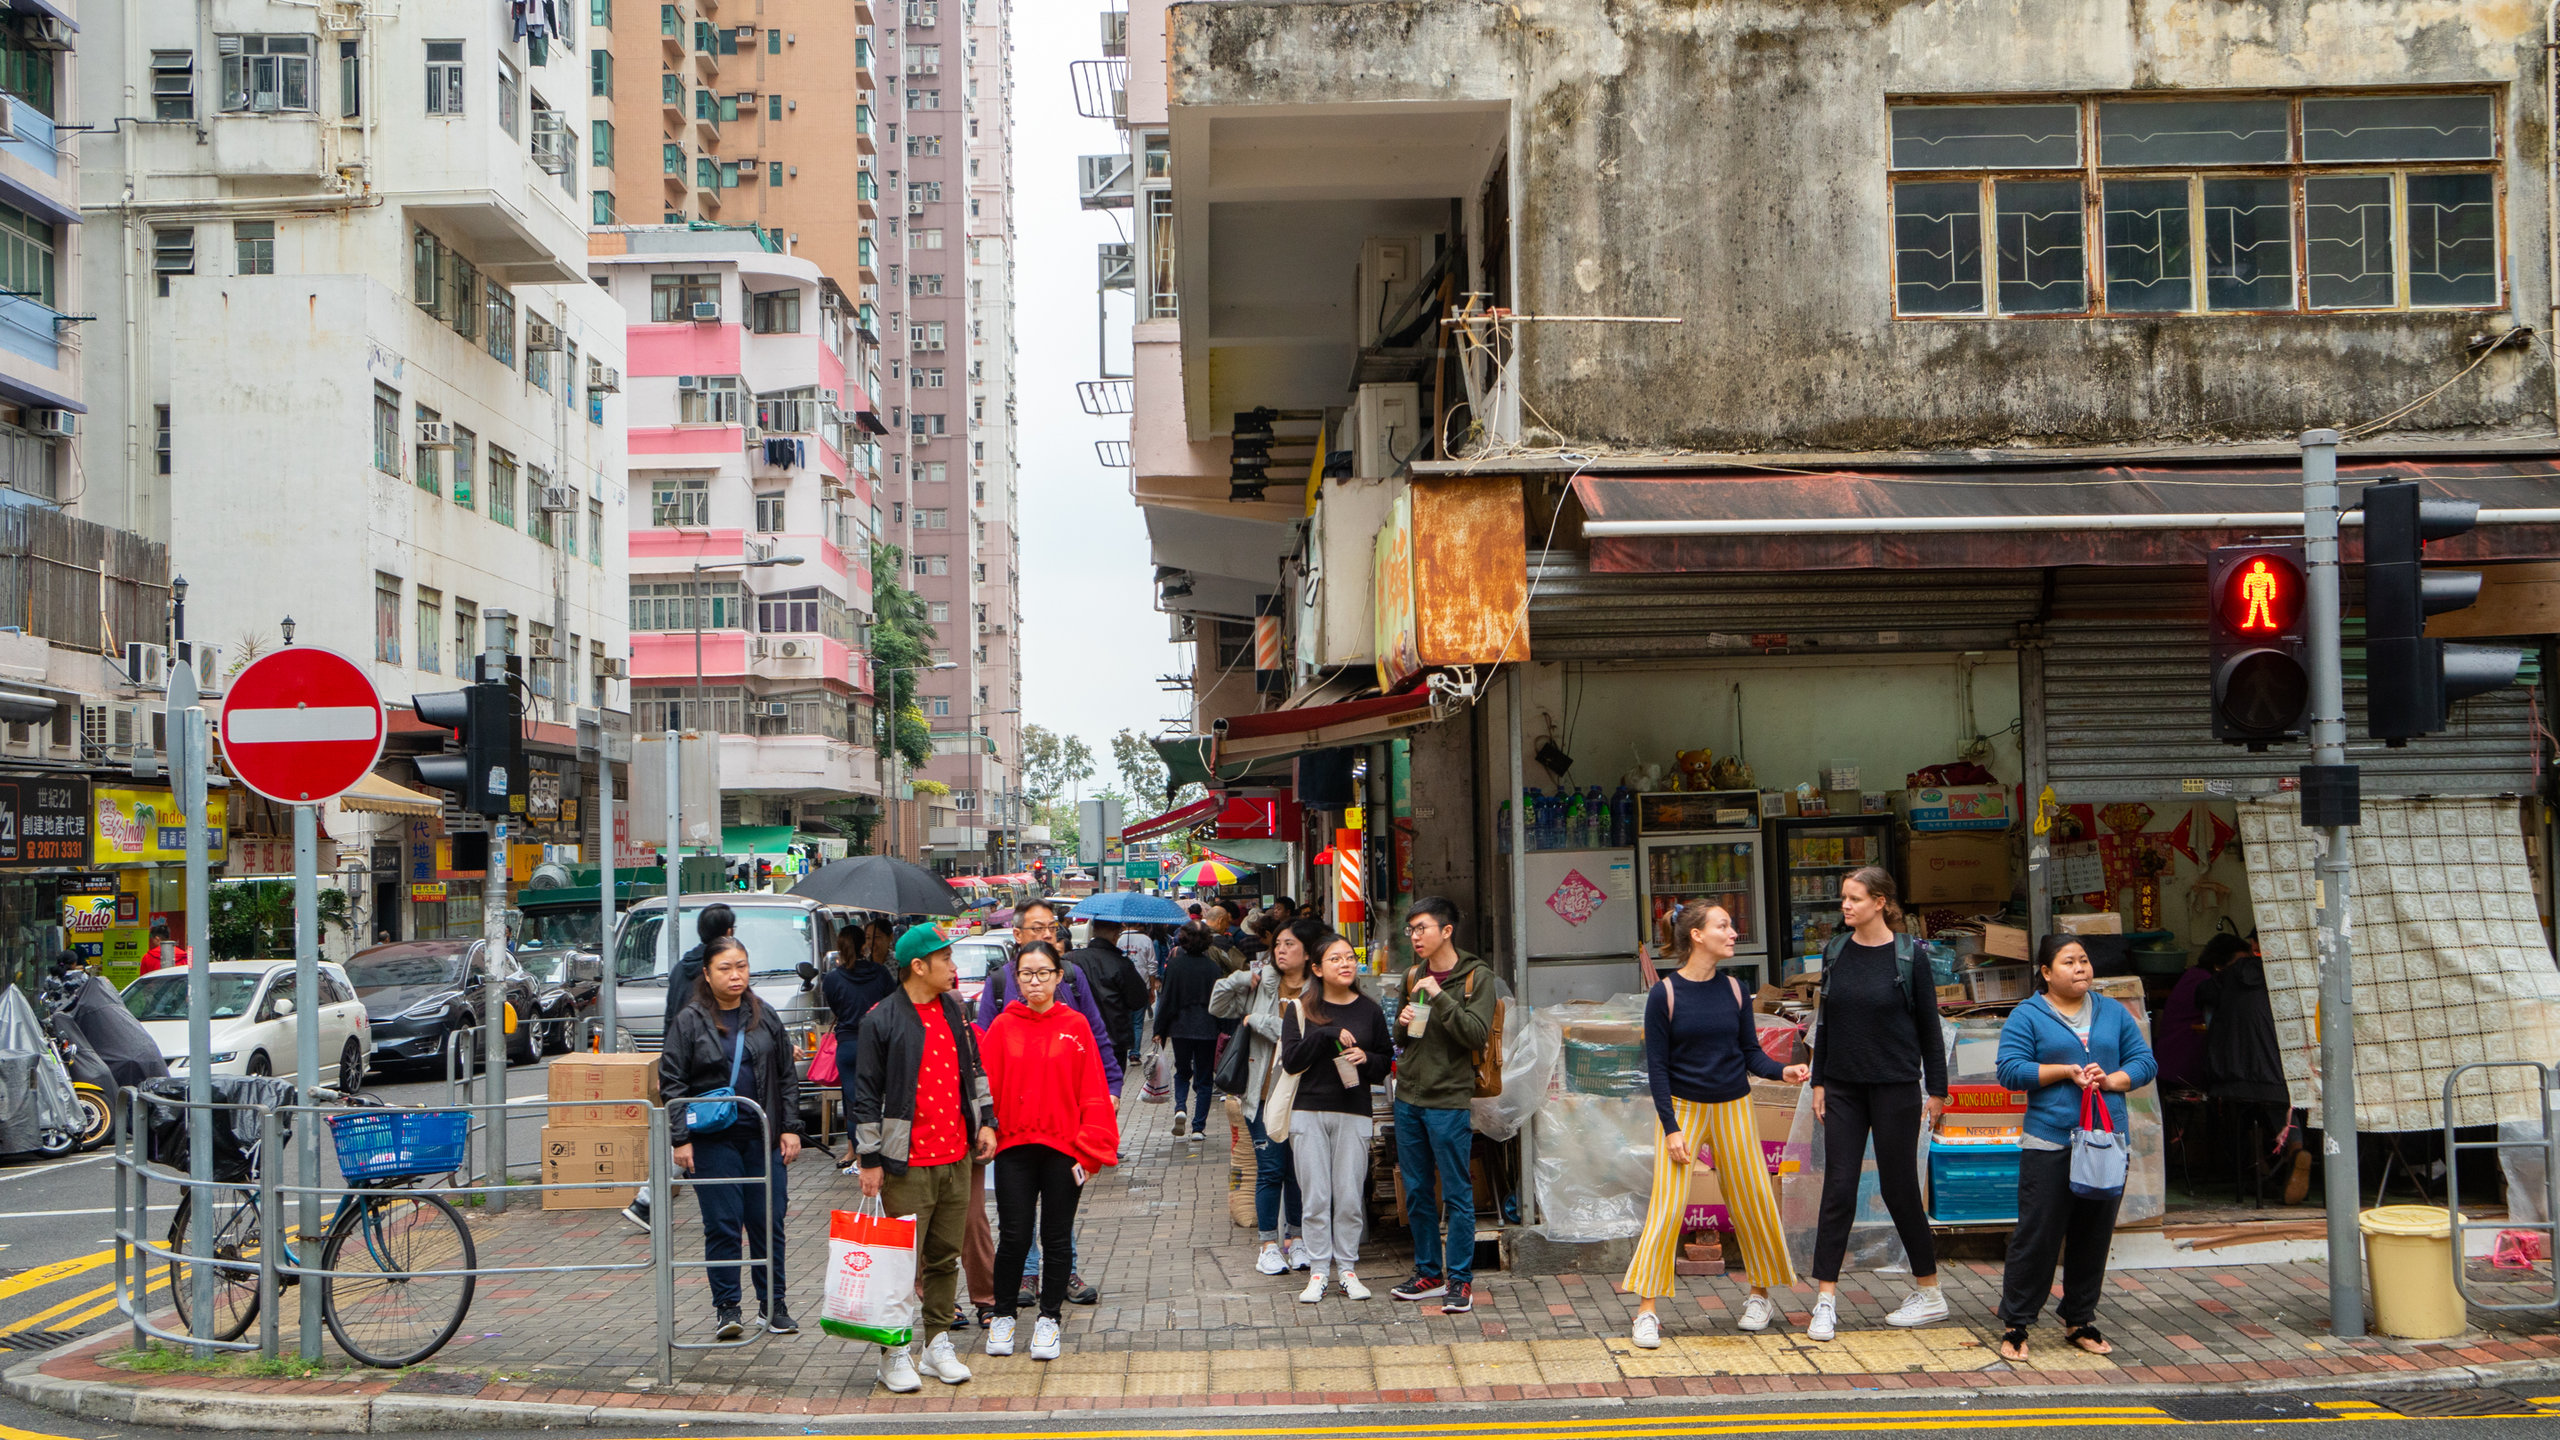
pixel 879 882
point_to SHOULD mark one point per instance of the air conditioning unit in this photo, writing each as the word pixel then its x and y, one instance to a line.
pixel 915 207
pixel 706 309
pixel 774 709
pixel 60 424
pixel 550 141
pixel 756 550
pixel 544 649
pixel 921 17
pixel 107 731
pixel 44 32
pixel 795 649
pixel 207 658
pixel 435 434
pixel 688 382
pixel 1115 32
pixel 146 665
pixel 540 334
pixel 755 435
pixel 759 648
pixel 8 117
pixel 603 379
pixel 558 498
pixel 1386 429
pixel 746 97
pixel 608 667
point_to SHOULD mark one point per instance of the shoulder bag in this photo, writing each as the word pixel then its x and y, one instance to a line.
pixel 2098 1158
pixel 1235 1063
pixel 716 1110
pixel 1280 1088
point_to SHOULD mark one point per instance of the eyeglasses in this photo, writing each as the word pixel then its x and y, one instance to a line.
pixel 1035 974
pixel 1039 927
pixel 1421 927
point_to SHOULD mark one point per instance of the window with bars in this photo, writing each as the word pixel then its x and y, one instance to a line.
pixel 386 429
pixel 466 450
pixel 160 436
pixel 537 516
pixel 677 707
pixel 265 74
pixel 2197 205
pixel 430 630
pixel 254 246
pixel 466 636
pixel 386 618
pixel 713 401
pixel 502 323
pixel 679 501
pixel 683 604
pixel 770 514
pixel 425 458
pixel 444 77
pixel 502 487
pixel 595 532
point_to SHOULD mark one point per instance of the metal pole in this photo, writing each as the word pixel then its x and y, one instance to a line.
pixel 605 1006
pixel 892 720
pixel 306 1046
pixel 191 759
pixel 1519 868
pixel 2340 1180
pixel 661 1236
pixel 493 936
pixel 697 607
pixel 669 932
pixel 270 1138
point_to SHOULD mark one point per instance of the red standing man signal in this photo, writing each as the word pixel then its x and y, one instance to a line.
pixel 2258 592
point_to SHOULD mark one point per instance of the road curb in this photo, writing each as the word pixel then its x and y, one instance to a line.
pixel 176 1407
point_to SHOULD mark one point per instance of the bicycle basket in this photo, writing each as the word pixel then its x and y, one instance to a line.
pixel 387 1144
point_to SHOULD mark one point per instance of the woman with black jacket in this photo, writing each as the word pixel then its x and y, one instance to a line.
pixel 1183 1020
pixel 725 1038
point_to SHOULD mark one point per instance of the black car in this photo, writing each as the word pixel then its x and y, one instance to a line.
pixel 417 993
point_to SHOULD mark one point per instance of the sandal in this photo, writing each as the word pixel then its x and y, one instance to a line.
pixel 2013 1344
pixel 2087 1338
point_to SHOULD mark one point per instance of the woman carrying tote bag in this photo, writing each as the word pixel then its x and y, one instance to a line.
pixel 1256 995
pixel 1334 1042
pixel 2076 1055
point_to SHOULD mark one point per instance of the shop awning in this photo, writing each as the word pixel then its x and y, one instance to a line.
pixel 1275 733
pixel 2024 517
pixel 1253 853
pixel 757 839
pixel 1192 814
pixel 378 796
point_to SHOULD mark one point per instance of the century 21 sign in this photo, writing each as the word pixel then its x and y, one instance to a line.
pixel 44 820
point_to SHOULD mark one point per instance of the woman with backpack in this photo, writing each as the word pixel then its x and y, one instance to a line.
pixel 1701 1048
pixel 2076 1055
pixel 1880 1070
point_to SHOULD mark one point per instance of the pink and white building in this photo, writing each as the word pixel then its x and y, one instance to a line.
pixel 751 438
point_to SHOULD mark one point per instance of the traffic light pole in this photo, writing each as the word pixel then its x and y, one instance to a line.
pixel 493 933
pixel 2339 1177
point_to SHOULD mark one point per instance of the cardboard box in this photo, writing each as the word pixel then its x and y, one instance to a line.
pixel 1958 868
pixel 605 1077
pixel 2106 922
pixel 1933 808
pixel 601 1115
pixel 2005 942
pixel 574 1156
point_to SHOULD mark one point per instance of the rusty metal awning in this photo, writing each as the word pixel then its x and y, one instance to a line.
pixel 2025 517
pixel 1275 733
pixel 1198 812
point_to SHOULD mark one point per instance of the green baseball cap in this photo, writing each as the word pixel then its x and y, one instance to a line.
pixel 921 939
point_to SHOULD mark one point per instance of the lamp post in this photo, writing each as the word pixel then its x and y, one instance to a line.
pixel 977 777
pixel 177 607
pixel 892 727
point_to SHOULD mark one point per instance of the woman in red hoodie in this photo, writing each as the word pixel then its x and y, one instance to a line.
pixel 1058 1128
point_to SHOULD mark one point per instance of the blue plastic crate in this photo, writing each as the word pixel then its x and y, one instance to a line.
pixel 1973 1183
pixel 386 1144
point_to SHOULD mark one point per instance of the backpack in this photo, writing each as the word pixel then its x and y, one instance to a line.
pixel 1488 1061
pixel 1906 959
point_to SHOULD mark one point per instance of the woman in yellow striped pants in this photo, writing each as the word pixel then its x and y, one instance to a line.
pixel 1702 1047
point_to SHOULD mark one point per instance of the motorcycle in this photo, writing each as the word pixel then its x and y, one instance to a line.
pixel 93 1081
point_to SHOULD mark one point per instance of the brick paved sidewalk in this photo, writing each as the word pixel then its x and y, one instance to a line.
pixel 1186 1320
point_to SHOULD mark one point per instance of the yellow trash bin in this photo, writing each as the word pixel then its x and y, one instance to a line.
pixel 2408 1260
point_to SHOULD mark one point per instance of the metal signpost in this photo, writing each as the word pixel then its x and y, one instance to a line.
pixel 493 930
pixel 188 744
pixel 300 726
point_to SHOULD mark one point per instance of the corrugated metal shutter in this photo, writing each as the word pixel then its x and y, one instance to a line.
pixel 1575 615
pixel 2127 709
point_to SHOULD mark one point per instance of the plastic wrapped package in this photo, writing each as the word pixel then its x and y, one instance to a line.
pixel 1531 1046
pixel 1595 1165
pixel 1873 1244
pixel 1601 1045
pixel 35 1093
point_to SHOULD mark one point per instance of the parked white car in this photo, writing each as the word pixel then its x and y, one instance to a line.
pixel 253 1020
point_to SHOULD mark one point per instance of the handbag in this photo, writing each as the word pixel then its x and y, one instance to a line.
pixel 1279 1087
pixel 1157 1087
pixel 1235 1063
pixel 822 1066
pixel 2098 1158
pixel 871 1276
pixel 716 1110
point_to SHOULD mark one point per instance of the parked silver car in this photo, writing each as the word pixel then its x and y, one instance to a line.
pixel 790 940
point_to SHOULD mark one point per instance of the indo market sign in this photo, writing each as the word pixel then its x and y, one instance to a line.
pixel 145 827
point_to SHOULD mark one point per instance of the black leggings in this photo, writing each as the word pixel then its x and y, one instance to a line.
pixel 2055 1224
pixel 1892 1114
pixel 1029 1177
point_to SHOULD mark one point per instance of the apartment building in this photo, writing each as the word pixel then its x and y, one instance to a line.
pixel 40 301
pixel 751 565
pixel 347 366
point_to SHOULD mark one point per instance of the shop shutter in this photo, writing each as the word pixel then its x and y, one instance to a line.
pixel 1576 615
pixel 2127 709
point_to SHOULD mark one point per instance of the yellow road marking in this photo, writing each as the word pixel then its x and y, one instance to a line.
pixel 1548 1429
pixel 37 1320
pixel 44 1275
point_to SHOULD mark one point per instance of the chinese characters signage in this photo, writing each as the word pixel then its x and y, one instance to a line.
pixel 44 820
pixel 144 827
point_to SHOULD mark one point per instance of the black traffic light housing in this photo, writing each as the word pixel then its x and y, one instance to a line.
pixel 2411 681
pixel 2261 663
pixel 487 723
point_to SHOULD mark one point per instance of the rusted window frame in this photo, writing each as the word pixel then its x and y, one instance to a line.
pixel 2093 177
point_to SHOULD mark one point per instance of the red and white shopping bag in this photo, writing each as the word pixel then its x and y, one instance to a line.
pixel 871 1276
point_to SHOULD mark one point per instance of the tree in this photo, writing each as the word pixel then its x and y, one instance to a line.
pixel 901 643
pixel 1143 771
pixel 1052 763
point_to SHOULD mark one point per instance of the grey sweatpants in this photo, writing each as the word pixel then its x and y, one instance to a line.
pixel 1332 1154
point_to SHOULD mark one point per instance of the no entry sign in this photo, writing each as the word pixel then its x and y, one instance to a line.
pixel 301 724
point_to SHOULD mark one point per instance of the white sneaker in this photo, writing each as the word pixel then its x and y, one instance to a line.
pixel 1927 1306
pixel 1648 1331
pixel 1826 1319
pixel 1352 1288
pixel 1757 1312
pixel 1293 1252
pixel 1000 1335
pixel 1315 1288
pixel 1044 1339
pixel 942 1363
pixel 898 1369
pixel 1272 1261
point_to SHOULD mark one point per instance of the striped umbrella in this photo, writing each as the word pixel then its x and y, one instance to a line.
pixel 1207 872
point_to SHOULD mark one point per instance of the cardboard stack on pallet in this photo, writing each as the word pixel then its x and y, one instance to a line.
pixel 598 1130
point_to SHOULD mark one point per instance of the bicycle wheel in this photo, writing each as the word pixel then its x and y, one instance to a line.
pixel 235 1265
pixel 379 1312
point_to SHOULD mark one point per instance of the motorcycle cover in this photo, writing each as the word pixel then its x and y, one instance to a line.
pixel 35 1092
pixel 87 1067
pixel 115 1035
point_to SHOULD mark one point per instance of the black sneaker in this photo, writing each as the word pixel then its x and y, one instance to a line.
pixel 637 1212
pixel 1081 1293
pixel 1461 1299
pixel 1420 1287
pixel 960 1317
pixel 727 1323
pixel 778 1321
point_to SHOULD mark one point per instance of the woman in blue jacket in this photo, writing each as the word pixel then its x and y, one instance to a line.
pixel 2056 1046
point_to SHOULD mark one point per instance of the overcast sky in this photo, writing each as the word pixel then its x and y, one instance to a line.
pixel 1092 641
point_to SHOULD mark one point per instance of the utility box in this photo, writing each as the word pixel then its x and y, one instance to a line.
pixel 1387 430
pixel 699 756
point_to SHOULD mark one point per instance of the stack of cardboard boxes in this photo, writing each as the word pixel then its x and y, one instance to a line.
pixel 598 1130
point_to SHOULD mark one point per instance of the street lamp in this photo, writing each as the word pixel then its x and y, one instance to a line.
pixel 178 607
pixel 893 672
pixel 287 628
pixel 977 779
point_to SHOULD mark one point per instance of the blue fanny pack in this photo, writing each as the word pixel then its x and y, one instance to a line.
pixel 715 1110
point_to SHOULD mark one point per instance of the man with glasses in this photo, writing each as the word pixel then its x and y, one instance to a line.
pixel 1038 920
pixel 1442 1021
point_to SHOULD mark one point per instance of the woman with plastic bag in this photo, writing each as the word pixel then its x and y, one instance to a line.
pixel 1059 1128
pixel 726 1043
pixel 1701 1048
pixel 2076 1055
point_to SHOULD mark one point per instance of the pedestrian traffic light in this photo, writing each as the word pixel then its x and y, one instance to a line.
pixel 2261 670
pixel 483 719
pixel 2411 681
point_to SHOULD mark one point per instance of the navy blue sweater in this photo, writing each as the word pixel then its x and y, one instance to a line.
pixel 1701 1045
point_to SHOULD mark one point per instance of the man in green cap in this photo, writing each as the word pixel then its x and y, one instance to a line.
pixel 921 1109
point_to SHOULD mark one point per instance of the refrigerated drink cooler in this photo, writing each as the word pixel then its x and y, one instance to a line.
pixel 1812 857
pixel 1704 846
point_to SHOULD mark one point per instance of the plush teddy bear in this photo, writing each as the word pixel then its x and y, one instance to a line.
pixel 1697 769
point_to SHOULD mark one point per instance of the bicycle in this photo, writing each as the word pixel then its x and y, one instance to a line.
pixel 382 1311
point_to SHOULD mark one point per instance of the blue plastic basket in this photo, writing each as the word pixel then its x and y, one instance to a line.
pixel 385 1144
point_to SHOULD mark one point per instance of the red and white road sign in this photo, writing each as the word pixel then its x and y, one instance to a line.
pixel 301 724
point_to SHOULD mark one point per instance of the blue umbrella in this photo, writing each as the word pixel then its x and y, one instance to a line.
pixel 1129 907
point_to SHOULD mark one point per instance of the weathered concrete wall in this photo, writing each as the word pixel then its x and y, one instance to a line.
pixel 1725 161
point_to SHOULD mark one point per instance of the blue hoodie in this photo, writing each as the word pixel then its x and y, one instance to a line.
pixel 2036 1034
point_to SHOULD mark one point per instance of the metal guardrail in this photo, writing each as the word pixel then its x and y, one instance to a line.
pixel 136 1252
pixel 2548 1226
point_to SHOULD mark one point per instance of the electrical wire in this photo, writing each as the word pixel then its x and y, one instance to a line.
pixel 2476 362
